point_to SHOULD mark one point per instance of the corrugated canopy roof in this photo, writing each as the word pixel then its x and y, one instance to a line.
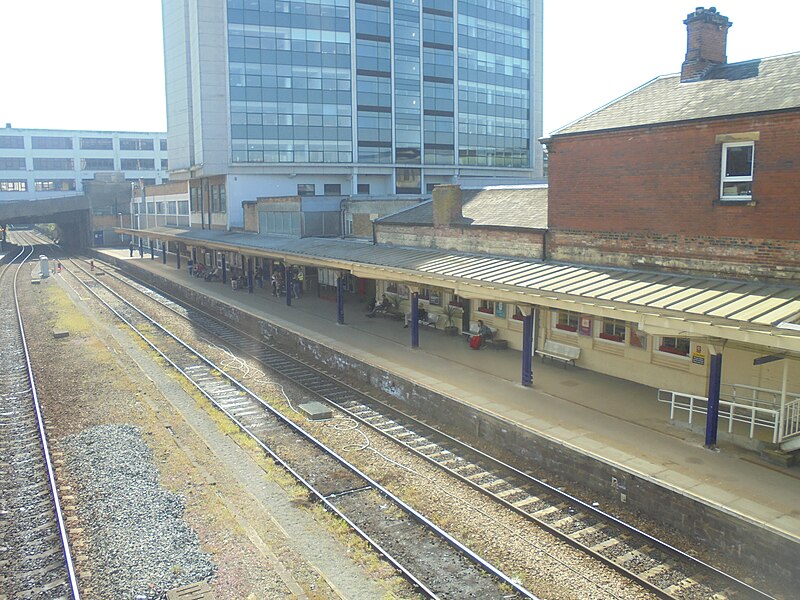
pixel 731 303
pixel 739 88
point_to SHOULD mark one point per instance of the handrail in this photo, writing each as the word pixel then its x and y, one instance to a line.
pixel 791 420
pixel 754 416
pixel 756 394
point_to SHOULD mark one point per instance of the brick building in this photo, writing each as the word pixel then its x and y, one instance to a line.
pixel 504 220
pixel 694 172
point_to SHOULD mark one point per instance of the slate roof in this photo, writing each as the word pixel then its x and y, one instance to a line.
pixel 501 206
pixel 752 86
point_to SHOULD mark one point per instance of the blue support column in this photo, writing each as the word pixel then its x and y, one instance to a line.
pixel 340 300
pixel 250 274
pixel 415 320
pixel 527 350
pixel 712 418
pixel 289 283
pixel 178 256
pixel 164 245
pixel 152 251
pixel 224 271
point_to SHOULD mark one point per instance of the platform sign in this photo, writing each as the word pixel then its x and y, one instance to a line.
pixel 698 357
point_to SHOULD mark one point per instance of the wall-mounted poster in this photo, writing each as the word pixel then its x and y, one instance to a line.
pixel 500 309
pixel 585 325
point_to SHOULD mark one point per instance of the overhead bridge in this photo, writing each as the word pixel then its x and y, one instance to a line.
pixel 71 214
pixel 83 218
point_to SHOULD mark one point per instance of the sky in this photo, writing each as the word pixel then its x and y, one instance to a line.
pixel 98 64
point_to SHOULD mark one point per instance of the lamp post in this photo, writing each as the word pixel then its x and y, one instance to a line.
pixel 121 235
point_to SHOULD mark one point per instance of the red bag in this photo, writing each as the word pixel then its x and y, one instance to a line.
pixel 475 342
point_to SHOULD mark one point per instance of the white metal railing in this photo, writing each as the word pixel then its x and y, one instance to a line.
pixel 789 426
pixel 791 420
pixel 752 413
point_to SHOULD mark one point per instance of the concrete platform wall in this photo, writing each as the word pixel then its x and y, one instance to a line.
pixel 757 548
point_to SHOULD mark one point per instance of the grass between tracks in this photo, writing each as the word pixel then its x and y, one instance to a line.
pixel 358 550
pixel 65 316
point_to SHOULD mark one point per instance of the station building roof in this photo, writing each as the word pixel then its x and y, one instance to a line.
pixel 518 206
pixel 659 303
pixel 753 86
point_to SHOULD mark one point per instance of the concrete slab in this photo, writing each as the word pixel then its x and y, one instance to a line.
pixel 316 411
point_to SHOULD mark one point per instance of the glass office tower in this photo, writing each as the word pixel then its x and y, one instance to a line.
pixel 383 96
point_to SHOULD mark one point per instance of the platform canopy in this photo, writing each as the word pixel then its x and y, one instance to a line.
pixel 679 305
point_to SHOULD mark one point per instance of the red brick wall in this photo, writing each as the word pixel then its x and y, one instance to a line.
pixel 650 196
pixel 508 242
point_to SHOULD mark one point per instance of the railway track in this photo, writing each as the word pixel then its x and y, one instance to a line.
pixel 434 562
pixel 654 564
pixel 35 559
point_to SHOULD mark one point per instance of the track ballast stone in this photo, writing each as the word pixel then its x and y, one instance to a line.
pixel 141 546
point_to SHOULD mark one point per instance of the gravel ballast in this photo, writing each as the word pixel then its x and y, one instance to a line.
pixel 137 529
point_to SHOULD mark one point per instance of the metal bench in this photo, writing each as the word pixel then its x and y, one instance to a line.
pixel 490 342
pixel 430 321
pixel 558 351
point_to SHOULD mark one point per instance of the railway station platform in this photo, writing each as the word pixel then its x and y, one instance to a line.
pixel 615 421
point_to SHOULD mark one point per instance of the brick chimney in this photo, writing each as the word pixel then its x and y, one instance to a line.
pixel 446 205
pixel 707 32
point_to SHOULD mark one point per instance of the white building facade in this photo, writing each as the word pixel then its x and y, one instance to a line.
pixel 346 97
pixel 49 163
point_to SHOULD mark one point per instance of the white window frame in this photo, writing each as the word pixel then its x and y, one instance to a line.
pixel 348 223
pixel 736 179
pixel 661 344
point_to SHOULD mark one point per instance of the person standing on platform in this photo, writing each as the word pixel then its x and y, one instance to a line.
pixel 131 248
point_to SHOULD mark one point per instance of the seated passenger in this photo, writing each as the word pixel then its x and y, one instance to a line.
pixel 383 307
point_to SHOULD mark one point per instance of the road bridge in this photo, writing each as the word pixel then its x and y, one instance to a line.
pixel 81 219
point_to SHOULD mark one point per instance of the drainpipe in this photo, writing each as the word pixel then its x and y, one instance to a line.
pixel 341 217
pixel 544 245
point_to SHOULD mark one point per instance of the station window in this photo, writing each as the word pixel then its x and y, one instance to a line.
pixel 13 185
pixel 737 171
pixel 638 338
pixel 223 202
pixel 333 189
pixel 486 306
pixel 136 144
pixel 363 188
pixel 54 185
pixel 566 320
pixel 306 189
pixel 674 345
pixel 613 330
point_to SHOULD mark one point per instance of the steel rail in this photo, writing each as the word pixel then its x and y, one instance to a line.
pixel 414 514
pixel 72 577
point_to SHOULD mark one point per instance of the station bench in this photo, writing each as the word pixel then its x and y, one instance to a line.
pixel 492 342
pixel 558 351
pixel 430 321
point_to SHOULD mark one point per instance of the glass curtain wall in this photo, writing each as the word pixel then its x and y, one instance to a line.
pixel 290 81
pixel 374 81
pixel 494 83
pixel 291 97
